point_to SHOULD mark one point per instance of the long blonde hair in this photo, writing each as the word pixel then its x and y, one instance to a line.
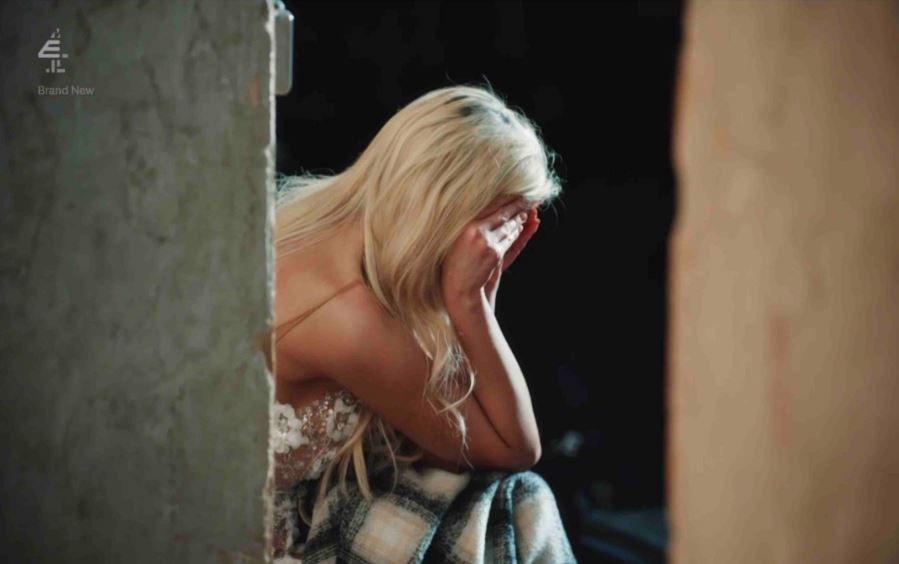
pixel 429 171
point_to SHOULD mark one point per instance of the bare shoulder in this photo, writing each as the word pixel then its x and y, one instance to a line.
pixel 349 317
pixel 357 308
pixel 358 336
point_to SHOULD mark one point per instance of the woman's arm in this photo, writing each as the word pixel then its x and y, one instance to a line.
pixel 470 274
pixel 361 347
pixel 472 317
pixel 501 389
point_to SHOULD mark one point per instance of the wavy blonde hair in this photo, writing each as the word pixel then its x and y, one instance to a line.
pixel 429 171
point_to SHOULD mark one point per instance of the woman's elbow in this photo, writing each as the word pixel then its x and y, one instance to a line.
pixel 506 461
pixel 519 460
pixel 529 458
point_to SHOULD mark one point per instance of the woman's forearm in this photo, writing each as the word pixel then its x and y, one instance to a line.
pixel 500 387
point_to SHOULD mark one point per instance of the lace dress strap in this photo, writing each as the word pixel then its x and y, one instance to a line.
pixel 280 333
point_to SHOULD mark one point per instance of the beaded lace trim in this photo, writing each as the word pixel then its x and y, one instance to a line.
pixel 305 440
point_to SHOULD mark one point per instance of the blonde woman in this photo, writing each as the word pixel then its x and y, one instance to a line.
pixel 387 349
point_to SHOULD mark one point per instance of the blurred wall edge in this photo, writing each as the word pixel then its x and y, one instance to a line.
pixel 785 323
pixel 135 265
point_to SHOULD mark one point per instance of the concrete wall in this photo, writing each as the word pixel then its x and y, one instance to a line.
pixel 785 319
pixel 134 268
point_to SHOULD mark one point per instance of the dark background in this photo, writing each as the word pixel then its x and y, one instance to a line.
pixel 584 306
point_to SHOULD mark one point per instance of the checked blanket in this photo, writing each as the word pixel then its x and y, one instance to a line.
pixel 431 515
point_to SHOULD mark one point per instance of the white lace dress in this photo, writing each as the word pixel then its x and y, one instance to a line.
pixel 304 442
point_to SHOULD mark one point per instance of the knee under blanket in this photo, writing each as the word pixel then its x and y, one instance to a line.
pixel 431 515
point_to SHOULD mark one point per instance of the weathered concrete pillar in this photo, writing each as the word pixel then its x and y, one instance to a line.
pixel 135 266
pixel 785 319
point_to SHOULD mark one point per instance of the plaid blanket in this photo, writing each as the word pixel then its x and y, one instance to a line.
pixel 431 515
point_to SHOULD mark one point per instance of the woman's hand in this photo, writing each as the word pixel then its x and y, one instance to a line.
pixel 532 223
pixel 485 248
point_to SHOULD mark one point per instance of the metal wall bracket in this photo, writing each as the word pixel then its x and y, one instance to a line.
pixel 283 48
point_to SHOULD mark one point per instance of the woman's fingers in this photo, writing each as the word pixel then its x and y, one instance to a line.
pixel 505 234
pixel 479 254
pixel 530 228
pixel 509 233
pixel 512 236
pixel 507 212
